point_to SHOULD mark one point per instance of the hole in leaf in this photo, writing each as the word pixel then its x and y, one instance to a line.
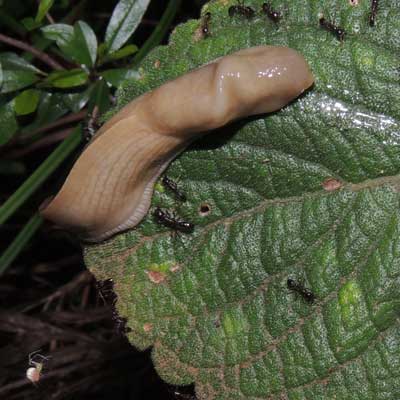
pixel 205 209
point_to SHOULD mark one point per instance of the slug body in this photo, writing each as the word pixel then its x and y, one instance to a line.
pixel 110 186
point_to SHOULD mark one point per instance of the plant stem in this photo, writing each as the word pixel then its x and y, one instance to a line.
pixel 159 32
pixel 26 47
pixel 68 119
pixel 43 142
pixel 23 237
pixel 40 175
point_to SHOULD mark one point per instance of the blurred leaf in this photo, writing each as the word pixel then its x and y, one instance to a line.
pixel 118 75
pixel 10 167
pixel 79 43
pixel 20 242
pixel 8 122
pixel 66 79
pixel 12 61
pixel 84 44
pixel 76 101
pixel 124 20
pixel 43 9
pixel 26 102
pixel 30 24
pixel 1 74
pixel 100 97
pixel 51 107
pixel 102 50
pixel 121 53
pixel 14 80
pixel 62 34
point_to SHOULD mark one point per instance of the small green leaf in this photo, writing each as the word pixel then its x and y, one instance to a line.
pixel 124 20
pixel 118 75
pixel 14 80
pixel 43 9
pixel 66 79
pixel 8 122
pixel 51 107
pixel 123 52
pixel 62 34
pixel 84 44
pixel 13 62
pixel 30 24
pixel 26 102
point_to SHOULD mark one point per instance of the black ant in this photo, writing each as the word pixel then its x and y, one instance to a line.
pixel 272 14
pixel 173 187
pixel 297 287
pixel 168 220
pixel 91 125
pixel 374 10
pixel 337 31
pixel 240 8
pixel 106 290
pixel 205 29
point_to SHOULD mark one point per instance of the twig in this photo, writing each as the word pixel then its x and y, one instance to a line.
pixel 70 118
pixel 50 18
pixel 26 47
pixel 46 141
pixel 84 277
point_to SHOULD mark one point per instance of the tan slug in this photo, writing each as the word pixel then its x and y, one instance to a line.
pixel 110 186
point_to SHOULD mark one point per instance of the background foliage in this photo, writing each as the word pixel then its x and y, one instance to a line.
pixel 61 60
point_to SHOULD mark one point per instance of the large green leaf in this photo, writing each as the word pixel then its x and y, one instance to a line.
pixel 215 304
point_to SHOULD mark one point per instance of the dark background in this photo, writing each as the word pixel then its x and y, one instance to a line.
pixel 50 302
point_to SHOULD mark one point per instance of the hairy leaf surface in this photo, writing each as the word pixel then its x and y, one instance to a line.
pixel 308 193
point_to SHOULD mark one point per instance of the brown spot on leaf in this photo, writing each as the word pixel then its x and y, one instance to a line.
pixel 157 64
pixel 175 268
pixel 155 276
pixel 147 327
pixel 331 184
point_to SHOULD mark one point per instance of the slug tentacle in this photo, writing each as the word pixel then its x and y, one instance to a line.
pixel 109 188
